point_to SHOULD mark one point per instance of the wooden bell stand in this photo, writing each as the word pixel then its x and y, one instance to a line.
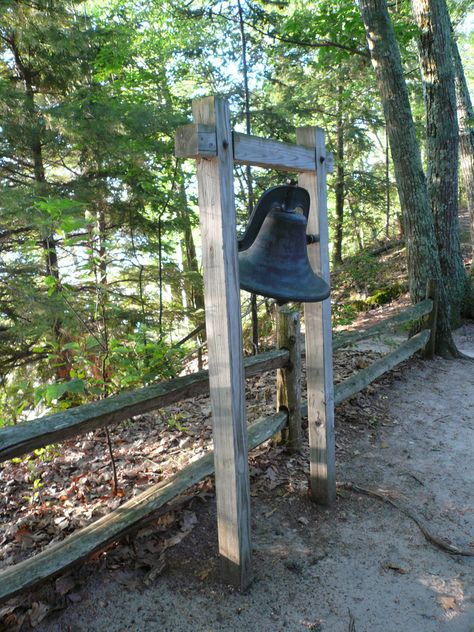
pixel 216 148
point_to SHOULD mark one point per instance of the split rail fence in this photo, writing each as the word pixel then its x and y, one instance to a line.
pixel 25 437
pixel 211 142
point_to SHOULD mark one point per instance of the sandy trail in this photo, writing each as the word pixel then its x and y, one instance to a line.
pixel 360 567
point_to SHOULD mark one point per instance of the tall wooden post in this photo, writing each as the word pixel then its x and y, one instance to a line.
pixel 318 331
pixel 224 336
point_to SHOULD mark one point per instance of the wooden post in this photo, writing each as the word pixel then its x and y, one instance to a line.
pixel 224 340
pixel 289 377
pixel 318 331
pixel 432 320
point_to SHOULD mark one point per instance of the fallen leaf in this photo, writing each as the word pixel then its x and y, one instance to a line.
pixel 447 602
pixel 189 520
pixel 75 597
pixel 270 513
pixel 64 584
pixel 204 574
pixel 38 612
pixel 157 569
pixel 23 532
pixel 393 566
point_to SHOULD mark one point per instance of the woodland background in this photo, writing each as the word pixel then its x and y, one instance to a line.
pixel 100 273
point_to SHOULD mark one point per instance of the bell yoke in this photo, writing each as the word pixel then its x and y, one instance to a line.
pixel 273 256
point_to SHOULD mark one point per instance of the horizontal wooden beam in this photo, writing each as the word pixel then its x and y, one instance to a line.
pixel 197 140
pixel 414 312
pixel 27 436
pixel 128 517
pixel 272 154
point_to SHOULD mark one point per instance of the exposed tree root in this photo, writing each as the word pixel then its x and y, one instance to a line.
pixel 439 542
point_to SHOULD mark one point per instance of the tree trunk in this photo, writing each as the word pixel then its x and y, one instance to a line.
pixel 422 250
pixel 337 254
pixel 192 288
pixel 387 187
pixel 437 69
pixel 248 171
pixel 466 133
pixel 48 243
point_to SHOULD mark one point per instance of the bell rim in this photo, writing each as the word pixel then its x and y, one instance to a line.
pixel 302 297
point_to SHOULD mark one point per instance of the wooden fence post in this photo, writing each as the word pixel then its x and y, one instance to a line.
pixel 318 331
pixel 224 342
pixel 432 320
pixel 289 377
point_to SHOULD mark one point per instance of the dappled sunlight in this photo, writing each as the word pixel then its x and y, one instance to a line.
pixel 449 593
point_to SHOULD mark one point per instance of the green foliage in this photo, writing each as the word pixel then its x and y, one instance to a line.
pixel 343 313
pixel 363 273
pixel 174 421
pixel 386 294
pixel 99 269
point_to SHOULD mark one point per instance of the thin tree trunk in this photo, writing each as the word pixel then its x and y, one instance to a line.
pixel 387 186
pixel 193 289
pixel 102 299
pixel 359 234
pixel 466 133
pixel 160 277
pixel 337 254
pixel 435 52
pixel 48 243
pixel 248 172
pixel 422 250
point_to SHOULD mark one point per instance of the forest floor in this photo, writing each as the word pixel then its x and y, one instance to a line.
pixel 362 566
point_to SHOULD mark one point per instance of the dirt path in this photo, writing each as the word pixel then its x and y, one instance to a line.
pixel 361 567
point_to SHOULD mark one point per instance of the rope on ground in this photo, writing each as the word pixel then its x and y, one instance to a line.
pixel 439 542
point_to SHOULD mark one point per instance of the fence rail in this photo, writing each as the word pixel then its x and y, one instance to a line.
pixel 17 440
pixel 116 524
pixel 27 436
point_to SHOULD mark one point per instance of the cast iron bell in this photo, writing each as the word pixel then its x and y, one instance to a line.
pixel 273 257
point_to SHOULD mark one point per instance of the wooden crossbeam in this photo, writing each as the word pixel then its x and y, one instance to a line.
pixel 198 140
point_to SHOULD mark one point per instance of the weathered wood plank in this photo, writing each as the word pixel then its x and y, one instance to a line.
pixel 195 140
pixel 224 343
pixel 289 377
pixel 363 378
pixel 80 545
pixel 318 331
pixel 353 385
pixel 27 436
pixel 414 312
pixel 273 154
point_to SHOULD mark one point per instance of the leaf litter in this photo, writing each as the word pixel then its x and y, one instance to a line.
pixel 74 485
